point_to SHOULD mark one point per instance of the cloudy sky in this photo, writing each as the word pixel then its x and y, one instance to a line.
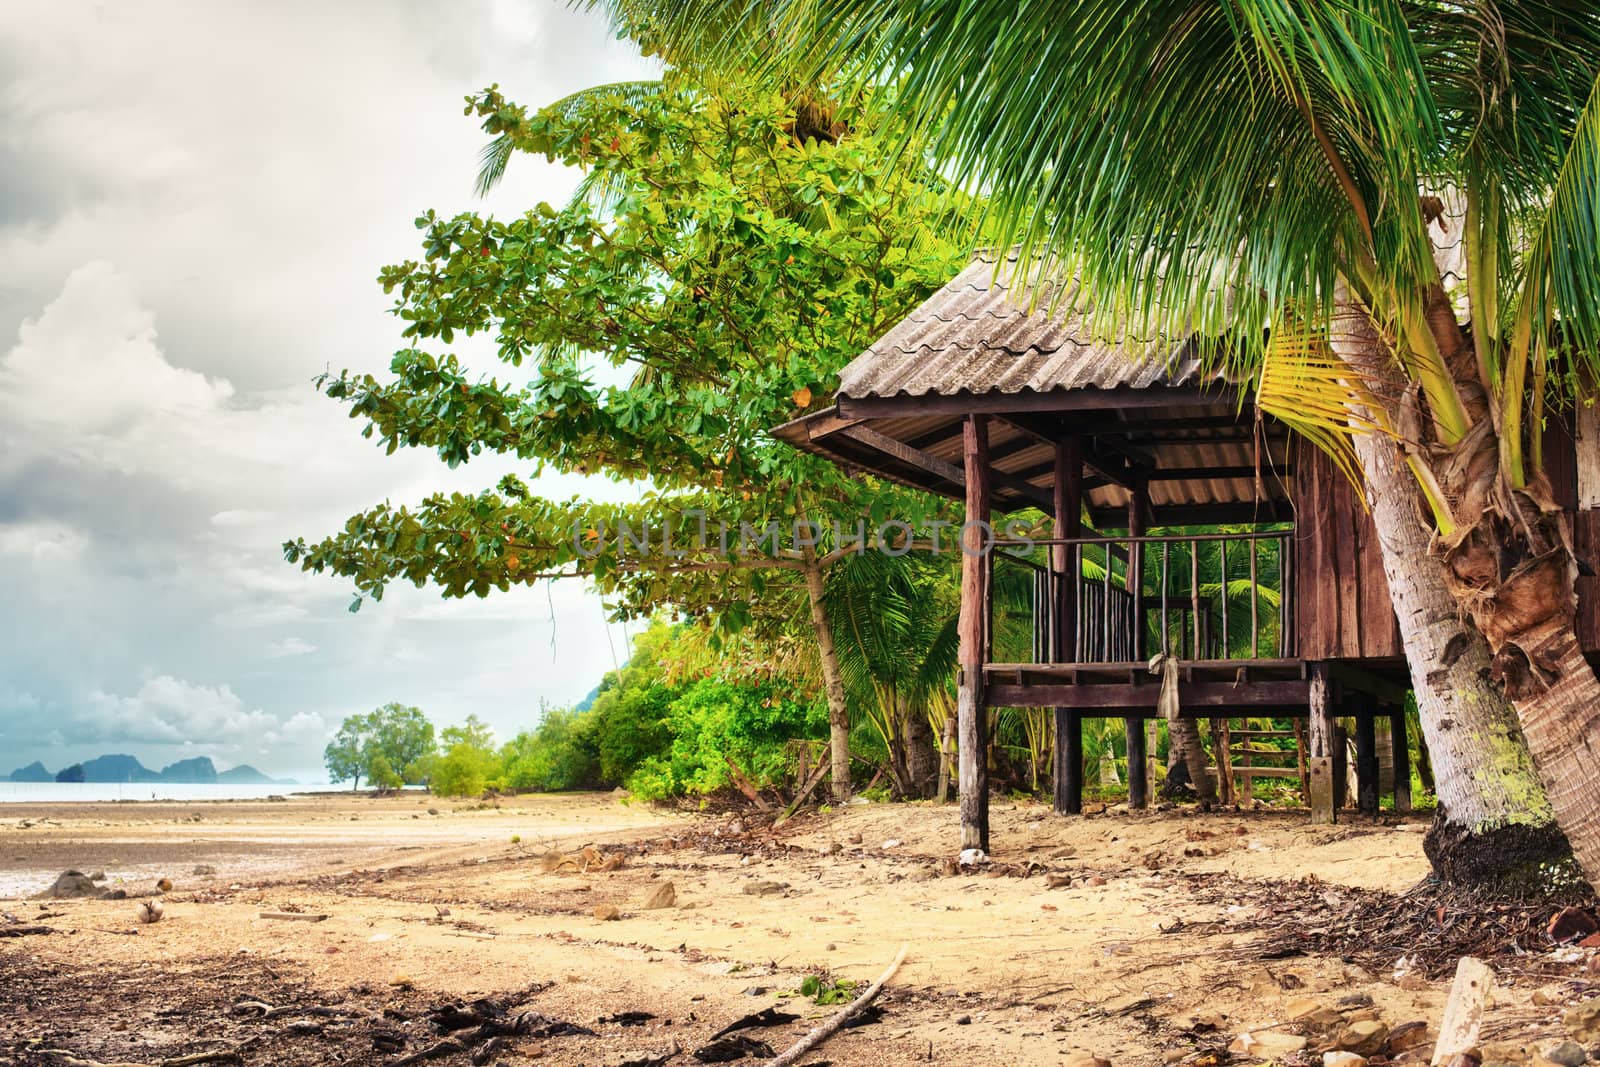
pixel 195 199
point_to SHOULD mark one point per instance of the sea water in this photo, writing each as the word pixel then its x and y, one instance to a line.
pixel 74 792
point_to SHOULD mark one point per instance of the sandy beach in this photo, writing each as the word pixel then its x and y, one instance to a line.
pixel 1138 938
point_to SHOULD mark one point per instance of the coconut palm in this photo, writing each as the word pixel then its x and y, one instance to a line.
pixel 1279 171
pixel 894 624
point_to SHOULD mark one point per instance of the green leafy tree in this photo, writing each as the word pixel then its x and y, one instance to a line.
pixel 345 755
pixel 745 252
pixel 399 735
pixel 1289 165
pixel 467 763
pixel 382 773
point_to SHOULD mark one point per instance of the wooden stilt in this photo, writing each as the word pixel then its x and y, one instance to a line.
pixel 1300 758
pixel 1341 767
pixel 1324 803
pixel 1222 741
pixel 972 715
pixel 1138 505
pixel 1138 765
pixel 1069 762
pixel 1402 760
pixel 1319 772
pixel 1366 758
pixel 1068 497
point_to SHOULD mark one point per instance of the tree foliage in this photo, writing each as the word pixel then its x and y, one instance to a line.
pixel 384 746
pixel 734 270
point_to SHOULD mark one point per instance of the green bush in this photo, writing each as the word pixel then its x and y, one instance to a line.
pixel 560 753
pixel 713 723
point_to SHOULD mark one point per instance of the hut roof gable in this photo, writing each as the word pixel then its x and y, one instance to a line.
pixel 1003 327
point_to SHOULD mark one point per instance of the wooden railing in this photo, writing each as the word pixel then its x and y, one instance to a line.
pixel 1194 597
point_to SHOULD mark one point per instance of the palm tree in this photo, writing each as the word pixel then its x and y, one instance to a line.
pixel 894 622
pixel 1273 170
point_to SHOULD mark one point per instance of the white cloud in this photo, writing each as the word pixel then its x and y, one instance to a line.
pixel 168 710
pixel 290 646
pixel 42 542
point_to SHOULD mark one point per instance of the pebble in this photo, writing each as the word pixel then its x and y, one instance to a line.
pixel 1567 1054
pixel 1085 1059
pixel 665 896
pixel 607 912
pixel 1583 1022
pixel 1341 1058
pixel 1550 994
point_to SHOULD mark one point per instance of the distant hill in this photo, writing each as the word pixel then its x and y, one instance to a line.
pixel 33 772
pixel 197 771
pixel 116 768
pixel 244 774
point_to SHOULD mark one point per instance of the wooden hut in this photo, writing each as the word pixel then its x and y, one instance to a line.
pixel 977 397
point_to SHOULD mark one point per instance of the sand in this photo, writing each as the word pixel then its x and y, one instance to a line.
pixel 427 907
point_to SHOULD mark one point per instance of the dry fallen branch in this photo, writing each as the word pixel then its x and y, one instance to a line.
pixel 833 1025
pixel 295 916
pixel 63 1058
pixel 24 931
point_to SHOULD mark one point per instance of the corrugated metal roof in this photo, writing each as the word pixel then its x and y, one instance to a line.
pixel 977 335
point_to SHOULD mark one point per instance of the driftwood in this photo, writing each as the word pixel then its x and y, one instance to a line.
pixel 745 786
pixel 812 781
pixel 24 931
pixel 63 1058
pixel 294 916
pixel 832 1026
pixel 1463 1012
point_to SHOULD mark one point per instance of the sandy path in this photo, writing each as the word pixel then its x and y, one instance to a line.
pixel 1001 968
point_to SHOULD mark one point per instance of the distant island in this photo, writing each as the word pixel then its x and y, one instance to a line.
pixel 118 768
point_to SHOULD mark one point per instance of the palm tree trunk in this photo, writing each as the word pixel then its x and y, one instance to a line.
pixel 947 747
pixel 832 679
pixel 1494 821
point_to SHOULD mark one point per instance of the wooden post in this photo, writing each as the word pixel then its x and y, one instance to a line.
pixel 1319 775
pixel 1138 504
pixel 1366 757
pixel 972 716
pixel 1341 767
pixel 1324 802
pixel 1402 761
pixel 1138 765
pixel 1222 741
pixel 1068 498
pixel 1069 762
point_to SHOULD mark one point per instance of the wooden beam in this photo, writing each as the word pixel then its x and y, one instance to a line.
pixel 994 403
pixel 949 472
pixel 971 708
pixel 825 423
pixel 1184 474
pixel 1243 512
pixel 1387 690
pixel 1193 697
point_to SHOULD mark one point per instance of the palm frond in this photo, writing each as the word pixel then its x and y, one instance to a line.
pixel 495 156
